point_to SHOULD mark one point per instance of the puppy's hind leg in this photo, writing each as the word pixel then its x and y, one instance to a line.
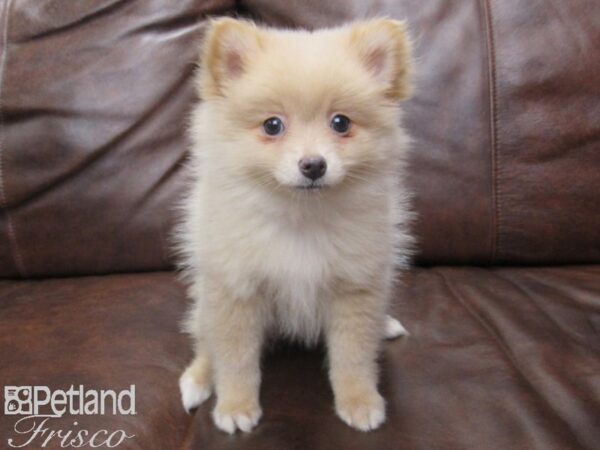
pixel 393 328
pixel 195 383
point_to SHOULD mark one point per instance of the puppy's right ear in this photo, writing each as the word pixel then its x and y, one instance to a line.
pixel 384 49
pixel 229 47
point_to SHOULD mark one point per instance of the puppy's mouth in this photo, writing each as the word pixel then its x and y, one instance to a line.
pixel 310 187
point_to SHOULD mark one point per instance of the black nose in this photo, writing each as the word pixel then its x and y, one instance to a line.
pixel 313 167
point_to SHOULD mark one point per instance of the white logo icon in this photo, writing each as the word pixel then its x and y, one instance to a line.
pixel 18 400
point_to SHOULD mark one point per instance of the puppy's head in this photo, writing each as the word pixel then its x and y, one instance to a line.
pixel 303 110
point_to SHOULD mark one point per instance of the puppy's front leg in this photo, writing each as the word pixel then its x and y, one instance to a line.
pixel 353 338
pixel 236 335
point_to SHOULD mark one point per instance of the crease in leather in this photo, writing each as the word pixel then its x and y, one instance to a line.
pixel 169 173
pixel 108 9
pixel 550 381
pixel 79 168
pixel 23 114
pixel 527 294
pixel 166 25
pixel 507 353
pixel 491 56
pixel 11 232
pixel 571 300
pixel 173 169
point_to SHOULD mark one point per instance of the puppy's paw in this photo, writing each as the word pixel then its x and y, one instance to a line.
pixel 364 412
pixel 230 418
pixel 193 393
pixel 393 328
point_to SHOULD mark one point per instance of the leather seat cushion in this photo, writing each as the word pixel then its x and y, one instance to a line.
pixel 503 358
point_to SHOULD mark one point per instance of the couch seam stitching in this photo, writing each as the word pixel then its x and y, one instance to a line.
pixel 12 237
pixel 492 81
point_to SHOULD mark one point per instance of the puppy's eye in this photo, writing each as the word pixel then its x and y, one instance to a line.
pixel 340 124
pixel 273 126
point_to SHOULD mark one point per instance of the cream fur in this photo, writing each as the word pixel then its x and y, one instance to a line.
pixel 264 257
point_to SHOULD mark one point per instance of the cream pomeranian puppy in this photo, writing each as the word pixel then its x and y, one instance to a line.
pixel 297 216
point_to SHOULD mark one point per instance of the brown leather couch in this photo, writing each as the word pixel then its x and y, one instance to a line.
pixel 503 306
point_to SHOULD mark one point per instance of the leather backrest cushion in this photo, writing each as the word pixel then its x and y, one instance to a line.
pixel 94 97
pixel 94 101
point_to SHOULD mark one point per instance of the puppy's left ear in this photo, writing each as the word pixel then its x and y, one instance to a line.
pixel 384 49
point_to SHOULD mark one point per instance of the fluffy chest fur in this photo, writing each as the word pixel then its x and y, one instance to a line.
pixel 294 252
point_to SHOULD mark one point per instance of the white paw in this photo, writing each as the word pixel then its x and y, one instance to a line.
pixel 364 413
pixel 393 328
pixel 242 419
pixel 192 393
